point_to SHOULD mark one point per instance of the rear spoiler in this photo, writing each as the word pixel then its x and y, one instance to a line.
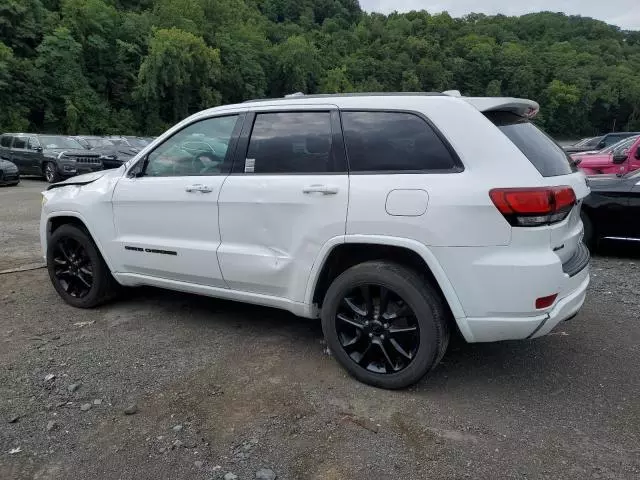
pixel 519 106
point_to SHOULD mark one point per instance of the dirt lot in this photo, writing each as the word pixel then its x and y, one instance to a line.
pixel 222 387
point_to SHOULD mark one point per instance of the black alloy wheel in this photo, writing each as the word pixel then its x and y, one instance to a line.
pixel 377 329
pixel 385 323
pixel 72 267
pixel 50 173
pixel 76 268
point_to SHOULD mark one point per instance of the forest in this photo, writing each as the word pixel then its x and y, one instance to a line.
pixel 139 66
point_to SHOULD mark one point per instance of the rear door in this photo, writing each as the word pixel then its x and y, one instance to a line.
pixel 556 169
pixel 287 196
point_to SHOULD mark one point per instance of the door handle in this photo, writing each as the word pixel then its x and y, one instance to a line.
pixel 323 189
pixel 198 188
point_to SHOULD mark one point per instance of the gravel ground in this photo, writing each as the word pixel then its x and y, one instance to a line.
pixel 215 387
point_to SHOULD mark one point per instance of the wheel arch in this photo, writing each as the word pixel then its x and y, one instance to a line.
pixel 341 253
pixel 57 219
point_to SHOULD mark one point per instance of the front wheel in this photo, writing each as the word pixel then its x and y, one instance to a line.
pixel 76 268
pixel 385 324
pixel 51 172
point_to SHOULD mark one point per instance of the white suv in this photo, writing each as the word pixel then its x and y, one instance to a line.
pixel 395 218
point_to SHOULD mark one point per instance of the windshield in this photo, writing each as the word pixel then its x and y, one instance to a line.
pixel 99 142
pixel 621 145
pixel 137 142
pixel 51 141
pixel 592 142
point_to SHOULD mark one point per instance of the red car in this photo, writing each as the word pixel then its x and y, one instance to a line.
pixel 623 158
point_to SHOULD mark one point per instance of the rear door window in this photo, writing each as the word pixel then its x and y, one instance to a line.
pixel 544 153
pixel 20 142
pixel 291 142
pixel 393 142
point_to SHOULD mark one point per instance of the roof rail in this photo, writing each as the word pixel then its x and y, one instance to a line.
pixel 297 95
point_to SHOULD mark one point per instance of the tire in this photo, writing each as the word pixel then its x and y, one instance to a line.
pixel 69 242
pixel 50 172
pixel 589 238
pixel 428 315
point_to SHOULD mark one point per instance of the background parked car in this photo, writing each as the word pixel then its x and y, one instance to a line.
pixel 9 174
pixel 583 145
pixel 52 156
pixel 619 159
pixel 613 208
pixel 112 155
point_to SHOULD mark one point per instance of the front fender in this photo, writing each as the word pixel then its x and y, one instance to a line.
pixel 45 223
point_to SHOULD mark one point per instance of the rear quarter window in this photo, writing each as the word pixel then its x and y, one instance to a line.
pixel 394 142
pixel 542 151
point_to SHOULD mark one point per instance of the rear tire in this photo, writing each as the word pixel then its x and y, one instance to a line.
pixel 77 270
pixel 412 307
pixel 50 172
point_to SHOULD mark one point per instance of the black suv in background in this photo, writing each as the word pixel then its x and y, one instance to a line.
pixel 52 156
pixel 111 153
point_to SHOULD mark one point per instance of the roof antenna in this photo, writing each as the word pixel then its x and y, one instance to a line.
pixel 293 95
pixel 453 93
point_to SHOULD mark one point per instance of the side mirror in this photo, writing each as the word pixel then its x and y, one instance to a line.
pixel 620 157
pixel 38 149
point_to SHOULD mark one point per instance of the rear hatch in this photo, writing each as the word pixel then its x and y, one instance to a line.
pixel 556 168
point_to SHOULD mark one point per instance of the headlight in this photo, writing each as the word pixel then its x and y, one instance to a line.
pixel 44 199
pixel 108 157
pixel 64 156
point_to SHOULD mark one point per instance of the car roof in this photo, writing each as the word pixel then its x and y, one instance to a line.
pixel 619 134
pixel 384 100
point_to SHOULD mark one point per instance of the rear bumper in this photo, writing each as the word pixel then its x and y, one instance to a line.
pixel 492 329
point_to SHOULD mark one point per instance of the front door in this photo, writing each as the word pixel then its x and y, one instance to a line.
pixel 166 207
pixel 287 196
pixel 18 155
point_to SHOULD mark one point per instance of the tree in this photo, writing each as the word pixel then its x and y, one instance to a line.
pixel 179 76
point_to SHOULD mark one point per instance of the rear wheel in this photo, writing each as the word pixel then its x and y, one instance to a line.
pixel 385 324
pixel 76 268
pixel 51 172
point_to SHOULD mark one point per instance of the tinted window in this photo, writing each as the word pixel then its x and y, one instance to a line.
pixel 593 142
pixel 291 142
pixel 20 142
pixel 5 141
pixel 385 141
pixel 199 149
pixel 545 154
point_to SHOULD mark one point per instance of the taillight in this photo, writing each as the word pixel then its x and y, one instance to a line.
pixel 533 207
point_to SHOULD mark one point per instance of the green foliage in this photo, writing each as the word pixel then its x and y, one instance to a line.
pixel 179 75
pixel 138 66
